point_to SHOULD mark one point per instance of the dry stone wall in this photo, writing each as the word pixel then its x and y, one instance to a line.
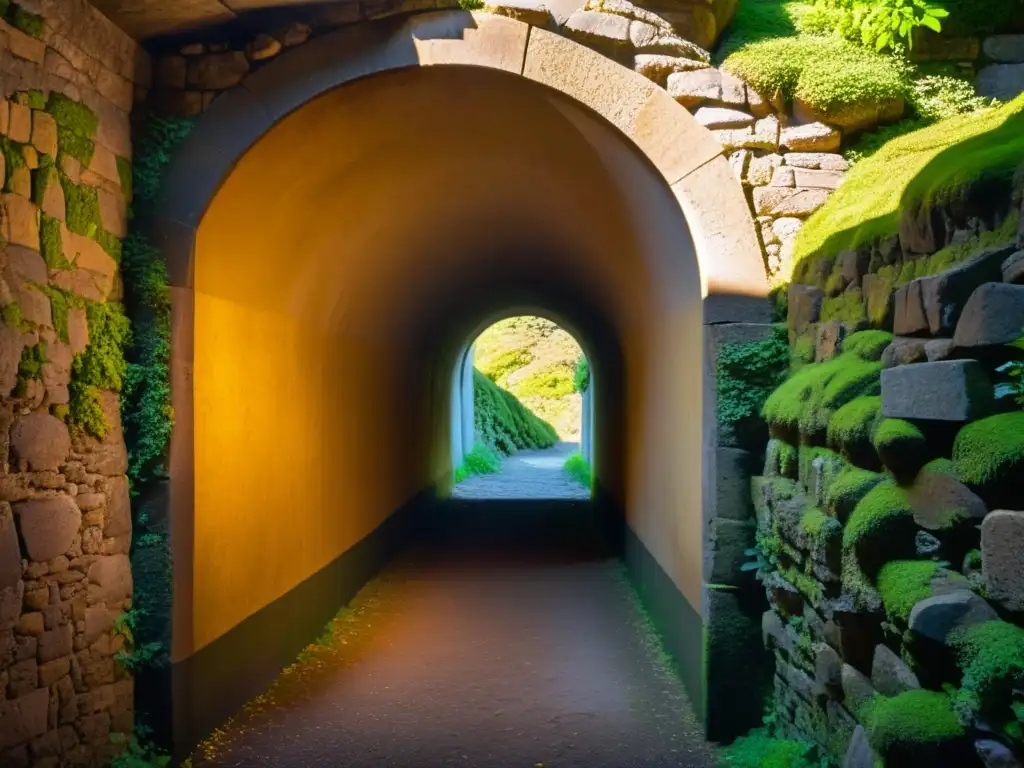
pixel 68 79
pixel 890 510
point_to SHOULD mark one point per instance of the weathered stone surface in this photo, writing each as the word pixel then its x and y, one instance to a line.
pixel 799 203
pixel 217 71
pixel 951 390
pixel 23 718
pixel 890 675
pixel 784 177
pixel 263 47
pixel 1013 268
pixel 852 118
pixel 606 32
pixel 944 296
pixel 824 161
pixel 19 128
pixel 1002 545
pixel 804 307
pixel 297 32
pixel 940 502
pixel 56 643
pixel 721 117
pixel 78 331
pixel 993 315
pixel 857 688
pixel 926 545
pixel 170 71
pixel 657 67
pixel 814 137
pixel 19 221
pixel 761 169
pixel 48 526
pixel 113 575
pixel 10 551
pixel 828 340
pixel 937 350
pixel 41 440
pixel 745 138
pixel 878 300
pixel 935 617
pixel 994 754
pixel 119 514
pixel 904 351
pixel 909 317
pixel 108 456
pixel 859 754
pixel 1000 81
pixel 1004 49
pixel 810 179
pixel 707 86
pixel 828 670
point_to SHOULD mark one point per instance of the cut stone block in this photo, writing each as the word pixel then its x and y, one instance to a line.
pixel 951 390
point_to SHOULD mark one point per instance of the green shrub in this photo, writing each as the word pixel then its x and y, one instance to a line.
pixel 828 74
pixel 581 377
pixel 746 375
pixel 900 726
pixel 904 583
pixel 504 423
pixel 938 97
pixel 578 468
pixel 991 655
pixel 758 749
pixel 481 460
pixel 554 382
pixel 921 168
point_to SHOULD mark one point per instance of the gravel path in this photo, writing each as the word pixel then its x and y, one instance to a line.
pixel 507 641
pixel 527 475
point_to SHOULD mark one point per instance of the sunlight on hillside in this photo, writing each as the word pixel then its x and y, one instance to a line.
pixel 535 359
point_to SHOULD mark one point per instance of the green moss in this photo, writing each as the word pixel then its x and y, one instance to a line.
pixel 72 115
pixel 808 399
pixel 881 527
pixel 899 726
pixel 11 314
pixel 758 749
pixel 847 306
pixel 13 160
pixel 479 461
pixel 31 99
pixel 581 376
pixel 903 584
pixel 111 244
pixel 989 453
pixel 100 367
pixel 124 173
pixel 991 655
pixel 901 446
pixel 83 208
pixel 802 352
pixel 61 302
pixel 73 145
pixel 787 459
pixel 847 490
pixel 941 466
pixel 30 367
pixel 60 411
pixel 30 23
pixel 852 426
pixel 919 168
pixel 830 75
pixel 42 178
pixel 867 345
pixel 51 243
pixel 746 375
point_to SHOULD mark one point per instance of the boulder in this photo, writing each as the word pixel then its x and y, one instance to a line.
pixel 993 754
pixel 994 314
pixel 940 502
pixel 804 307
pixel 951 390
pixel 814 137
pixel 857 688
pixel 1000 81
pixel 1013 268
pixel 852 118
pixel 859 754
pixel 722 117
pixel 41 440
pixel 890 675
pixel 780 201
pixel 945 296
pixel 828 671
pixel 710 86
pixel 48 526
pixel 937 350
pixel 1002 545
pixel 937 616
pixel 1004 49
pixel 657 67
pixel 904 351
pixel 828 340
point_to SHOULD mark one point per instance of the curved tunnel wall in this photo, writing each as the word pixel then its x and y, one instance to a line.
pixel 332 249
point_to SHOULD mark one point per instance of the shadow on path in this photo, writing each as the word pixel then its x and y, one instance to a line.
pixel 507 638
pixel 527 475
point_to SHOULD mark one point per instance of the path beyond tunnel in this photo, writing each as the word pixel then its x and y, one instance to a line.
pixel 508 638
pixel 536 475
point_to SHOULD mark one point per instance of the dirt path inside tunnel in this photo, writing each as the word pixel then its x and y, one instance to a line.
pixel 527 475
pixel 478 650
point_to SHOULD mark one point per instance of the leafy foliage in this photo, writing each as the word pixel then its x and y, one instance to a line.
pixel 503 422
pixel 747 374
pixel 759 749
pixel 101 366
pixel 479 461
pixel 578 468
pixel 581 378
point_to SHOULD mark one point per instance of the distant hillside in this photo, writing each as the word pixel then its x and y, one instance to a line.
pixel 535 360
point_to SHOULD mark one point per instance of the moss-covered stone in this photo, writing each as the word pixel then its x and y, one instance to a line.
pixel 30 367
pixel 988 455
pixel 991 655
pixel 848 489
pixel 901 446
pixel 807 400
pixel 802 352
pixel 908 728
pixel 867 345
pixel 903 584
pixel 781 459
pixel 847 307
pixel 851 427
pixel 32 24
pixel 51 243
pixel 941 466
pixel 881 528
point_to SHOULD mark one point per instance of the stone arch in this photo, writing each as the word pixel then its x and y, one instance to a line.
pixel 683 155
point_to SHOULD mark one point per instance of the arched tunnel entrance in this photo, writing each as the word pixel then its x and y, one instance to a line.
pixel 337 228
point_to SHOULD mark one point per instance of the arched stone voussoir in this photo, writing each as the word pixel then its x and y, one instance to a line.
pixel 684 152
